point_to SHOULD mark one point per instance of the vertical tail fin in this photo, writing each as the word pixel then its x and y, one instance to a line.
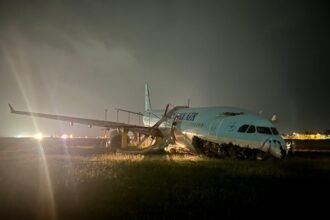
pixel 147 103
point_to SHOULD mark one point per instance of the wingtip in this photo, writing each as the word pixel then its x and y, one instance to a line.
pixel 11 108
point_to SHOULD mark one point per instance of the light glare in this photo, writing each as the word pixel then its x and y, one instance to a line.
pixel 38 136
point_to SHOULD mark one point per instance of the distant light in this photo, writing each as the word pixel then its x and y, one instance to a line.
pixel 23 135
pixel 64 136
pixel 309 136
pixel 38 136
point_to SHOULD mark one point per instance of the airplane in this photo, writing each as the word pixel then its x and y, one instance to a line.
pixel 213 131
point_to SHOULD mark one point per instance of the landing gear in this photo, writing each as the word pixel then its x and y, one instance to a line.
pixel 114 142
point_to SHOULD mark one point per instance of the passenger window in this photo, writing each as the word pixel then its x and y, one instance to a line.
pixel 251 129
pixel 243 128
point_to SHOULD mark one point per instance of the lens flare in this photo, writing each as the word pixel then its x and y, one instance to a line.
pixel 38 136
pixel 16 62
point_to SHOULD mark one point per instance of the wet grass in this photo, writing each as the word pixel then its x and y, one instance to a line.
pixel 87 184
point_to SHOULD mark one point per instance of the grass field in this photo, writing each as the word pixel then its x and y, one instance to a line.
pixel 54 181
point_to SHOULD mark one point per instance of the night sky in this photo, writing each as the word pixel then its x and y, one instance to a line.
pixel 79 57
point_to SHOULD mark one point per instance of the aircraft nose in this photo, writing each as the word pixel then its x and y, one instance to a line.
pixel 280 146
pixel 283 152
pixel 277 149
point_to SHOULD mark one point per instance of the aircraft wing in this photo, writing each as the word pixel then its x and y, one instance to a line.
pixel 91 122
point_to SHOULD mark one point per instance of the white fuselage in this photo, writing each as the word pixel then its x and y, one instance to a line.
pixel 222 125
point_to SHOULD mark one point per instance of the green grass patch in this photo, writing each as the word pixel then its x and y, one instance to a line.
pixel 86 184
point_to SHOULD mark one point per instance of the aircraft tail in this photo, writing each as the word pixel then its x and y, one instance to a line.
pixel 147 99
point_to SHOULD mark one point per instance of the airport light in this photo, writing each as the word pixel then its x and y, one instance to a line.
pixel 302 136
pixel 38 136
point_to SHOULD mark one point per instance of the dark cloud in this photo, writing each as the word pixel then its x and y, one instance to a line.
pixel 77 58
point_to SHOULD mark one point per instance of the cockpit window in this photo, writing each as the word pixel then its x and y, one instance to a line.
pixel 263 130
pixel 243 128
pixel 251 129
pixel 274 131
